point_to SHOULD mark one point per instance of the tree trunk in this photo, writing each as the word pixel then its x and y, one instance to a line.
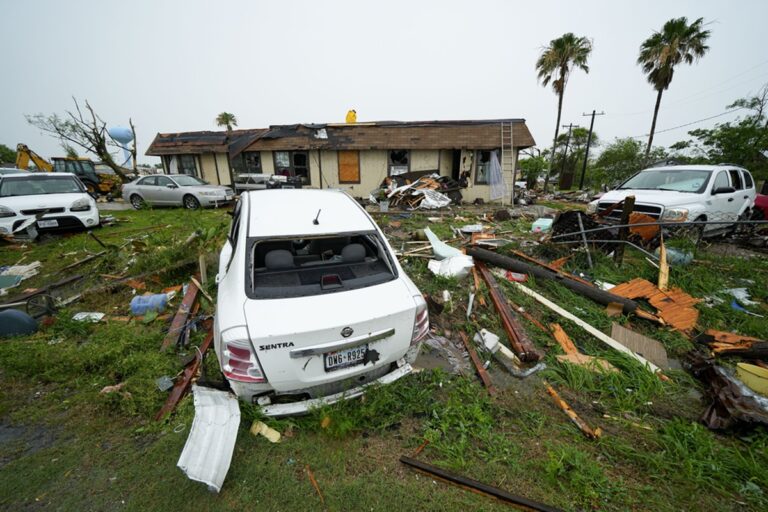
pixel 653 124
pixel 554 141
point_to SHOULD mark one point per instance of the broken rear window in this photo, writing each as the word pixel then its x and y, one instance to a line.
pixel 284 268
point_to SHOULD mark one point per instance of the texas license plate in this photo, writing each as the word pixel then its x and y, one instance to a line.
pixel 345 358
pixel 48 223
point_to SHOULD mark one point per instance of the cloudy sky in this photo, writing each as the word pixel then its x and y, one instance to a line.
pixel 174 65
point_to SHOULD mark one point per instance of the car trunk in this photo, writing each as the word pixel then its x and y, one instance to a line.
pixel 314 325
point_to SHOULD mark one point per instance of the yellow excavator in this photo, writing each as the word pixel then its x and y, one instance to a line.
pixel 83 168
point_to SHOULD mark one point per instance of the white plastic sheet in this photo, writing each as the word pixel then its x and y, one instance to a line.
pixel 495 179
pixel 455 266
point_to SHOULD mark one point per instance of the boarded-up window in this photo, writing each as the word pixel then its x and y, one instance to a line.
pixel 349 167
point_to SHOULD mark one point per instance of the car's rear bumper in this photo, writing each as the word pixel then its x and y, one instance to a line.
pixel 304 406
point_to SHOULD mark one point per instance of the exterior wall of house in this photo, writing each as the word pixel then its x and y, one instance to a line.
pixel 223 160
pixel 208 168
pixel 267 163
pixel 425 160
pixel 446 162
pixel 373 170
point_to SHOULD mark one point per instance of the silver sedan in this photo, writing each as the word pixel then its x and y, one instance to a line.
pixel 175 190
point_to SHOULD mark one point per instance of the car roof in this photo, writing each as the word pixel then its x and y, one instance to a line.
pixel 698 167
pixel 39 175
pixel 290 212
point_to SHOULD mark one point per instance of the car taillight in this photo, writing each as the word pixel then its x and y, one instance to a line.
pixel 421 323
pixel 239 362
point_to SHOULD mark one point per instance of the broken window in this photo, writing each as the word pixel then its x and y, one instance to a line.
pixel 735 179
pixel 282 268
pixel 252 162
pixel 483 171
pixel 187 164
pixel 293 163
pixel 398 161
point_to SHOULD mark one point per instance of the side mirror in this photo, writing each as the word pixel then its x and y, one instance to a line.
pixel 723 190
pixel 171 185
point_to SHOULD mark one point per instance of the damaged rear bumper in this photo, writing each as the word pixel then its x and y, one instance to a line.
pixel 304 406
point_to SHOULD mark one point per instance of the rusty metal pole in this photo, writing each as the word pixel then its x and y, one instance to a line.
pixel 629 205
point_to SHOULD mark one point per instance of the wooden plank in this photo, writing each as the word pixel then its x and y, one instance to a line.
pixel 629 205
pixel 180 320
pixel 518 339
pixel 182 385
pixel 647 347
pixel 349 167
pixel 586 429
pixel 478 365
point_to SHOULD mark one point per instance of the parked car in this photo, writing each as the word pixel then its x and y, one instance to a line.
pixel 51 201
pixel 175 190
pixel 312 303
pixel 683 193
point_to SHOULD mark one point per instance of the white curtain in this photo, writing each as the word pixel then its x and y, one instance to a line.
pixel 498 187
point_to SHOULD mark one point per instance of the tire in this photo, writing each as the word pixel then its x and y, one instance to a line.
pixel 190 202
pixel 137 202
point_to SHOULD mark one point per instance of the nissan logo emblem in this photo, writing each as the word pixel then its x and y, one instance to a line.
pixel 347 332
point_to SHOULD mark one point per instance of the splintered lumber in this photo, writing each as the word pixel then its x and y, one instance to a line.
pixel 586 429
pixel 518 339
pixel 675 306
pixel 591 292
pixel 84 260
pixel 314 483
pixel 475 486
pixel 182 385
pixel 180 320
pixel 591 330
pixel 478 365
pixel 663 268
pixel 573 356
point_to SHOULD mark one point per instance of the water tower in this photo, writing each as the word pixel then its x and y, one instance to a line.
pixel 123 136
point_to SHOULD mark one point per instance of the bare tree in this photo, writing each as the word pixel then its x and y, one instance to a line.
pixel 86 130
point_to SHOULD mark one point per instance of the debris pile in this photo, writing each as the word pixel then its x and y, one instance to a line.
pixel 427 192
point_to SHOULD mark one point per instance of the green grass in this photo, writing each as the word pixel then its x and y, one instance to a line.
pixel 80 449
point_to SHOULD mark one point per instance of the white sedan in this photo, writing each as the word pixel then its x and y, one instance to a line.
pixel 175 190
pixel 45 201
pixel 312 303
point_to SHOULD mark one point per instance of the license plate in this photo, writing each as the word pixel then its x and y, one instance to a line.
pixel 345 358
pixel 48 223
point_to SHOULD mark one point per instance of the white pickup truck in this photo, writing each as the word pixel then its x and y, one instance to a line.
pixel 680 193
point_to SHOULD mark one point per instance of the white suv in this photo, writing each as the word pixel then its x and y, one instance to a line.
pixel 682 193
pixel 312 303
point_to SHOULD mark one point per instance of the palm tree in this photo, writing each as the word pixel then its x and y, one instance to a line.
pixel 659 54
pixel 555 65
pixel 226 119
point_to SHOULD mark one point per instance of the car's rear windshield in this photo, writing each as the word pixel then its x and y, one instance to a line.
pixel 284 268
pixel 188 181
pixel 678 180
pixel 38 185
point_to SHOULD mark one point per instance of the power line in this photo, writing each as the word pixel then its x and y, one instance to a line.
pixel 687 124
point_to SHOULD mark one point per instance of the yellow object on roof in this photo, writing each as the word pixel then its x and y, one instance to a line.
pixel 351 116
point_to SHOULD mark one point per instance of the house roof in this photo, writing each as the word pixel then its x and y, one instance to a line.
pixel 198 142
pixel 454 134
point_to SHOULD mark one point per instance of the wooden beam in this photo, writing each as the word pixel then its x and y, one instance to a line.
pixel 478 365
pixel 180 320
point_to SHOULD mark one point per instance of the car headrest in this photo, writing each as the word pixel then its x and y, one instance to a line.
pixel 353 253
pixel 278 259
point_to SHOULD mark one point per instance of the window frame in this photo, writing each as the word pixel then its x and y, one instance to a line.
pixel 338 167
pixel 747 177
pixel 736 174
pixel 292 165
pixel 727 180
pixel 475 163
pixel 390 164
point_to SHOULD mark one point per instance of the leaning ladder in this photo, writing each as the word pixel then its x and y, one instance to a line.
pixel 508 162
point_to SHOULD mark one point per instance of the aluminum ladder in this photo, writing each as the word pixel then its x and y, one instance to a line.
pixel 508 162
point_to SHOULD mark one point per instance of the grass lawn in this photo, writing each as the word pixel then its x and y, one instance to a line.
pixel 66 446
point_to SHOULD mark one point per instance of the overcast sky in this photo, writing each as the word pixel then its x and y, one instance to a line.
pixel 174 65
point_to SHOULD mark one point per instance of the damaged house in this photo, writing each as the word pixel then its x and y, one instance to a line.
pixel 480 154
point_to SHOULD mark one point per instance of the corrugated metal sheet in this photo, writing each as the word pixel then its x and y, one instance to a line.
pixel 208 453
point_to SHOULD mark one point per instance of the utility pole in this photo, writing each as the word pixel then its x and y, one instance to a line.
pixel 589 141
pixel 570 127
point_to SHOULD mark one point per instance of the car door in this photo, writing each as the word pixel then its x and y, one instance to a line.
pixel 146 188
pixel 736 202
pixel 721 200
pixel 167 191
pixel 749 190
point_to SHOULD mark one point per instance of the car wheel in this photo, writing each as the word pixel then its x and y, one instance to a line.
pixel 191 202
pixel 137 202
